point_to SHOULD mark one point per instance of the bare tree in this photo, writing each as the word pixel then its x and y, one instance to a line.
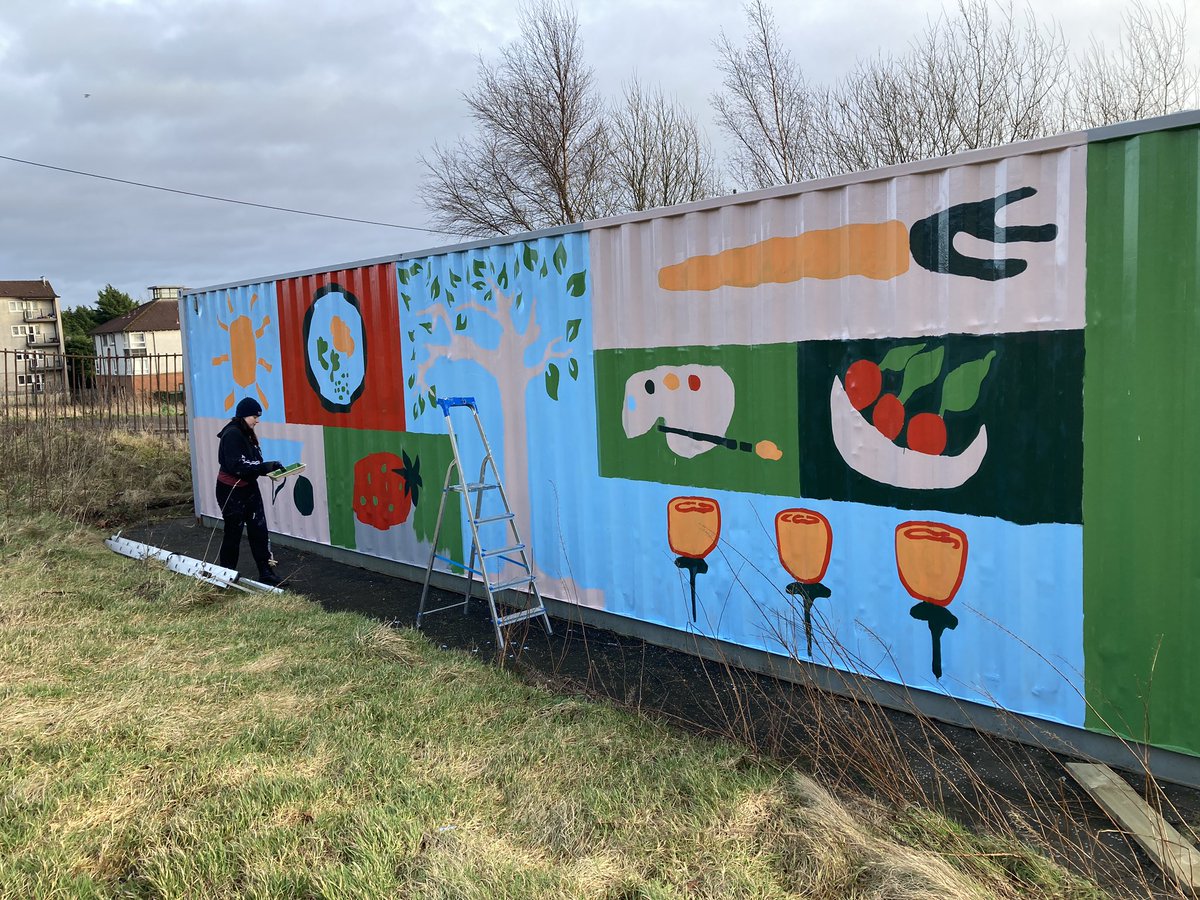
pixel 978 76
pixel 540 153
pixel 766 108
pixel 659 155
pixel 1147 75
pixel 970 80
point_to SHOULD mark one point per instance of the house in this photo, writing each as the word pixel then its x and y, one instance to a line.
pixel 142 350
pixel 31 338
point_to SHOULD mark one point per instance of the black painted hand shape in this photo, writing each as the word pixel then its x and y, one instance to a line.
pixel 931 240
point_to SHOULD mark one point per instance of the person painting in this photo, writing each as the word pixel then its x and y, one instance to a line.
pixel 241 462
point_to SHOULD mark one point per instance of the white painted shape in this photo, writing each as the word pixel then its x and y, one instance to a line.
pixel 708 410
pixel 870 453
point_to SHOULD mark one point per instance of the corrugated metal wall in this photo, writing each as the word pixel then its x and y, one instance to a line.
pixel 843 423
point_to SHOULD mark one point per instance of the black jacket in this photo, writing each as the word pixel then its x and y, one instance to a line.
pixel 240 458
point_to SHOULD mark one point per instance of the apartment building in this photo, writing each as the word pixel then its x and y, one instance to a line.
pixel 142 350
pixel 31 338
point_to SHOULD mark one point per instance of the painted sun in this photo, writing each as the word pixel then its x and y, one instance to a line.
pixel 243 352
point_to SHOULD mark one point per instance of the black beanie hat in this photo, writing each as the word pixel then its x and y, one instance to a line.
pixel 248 406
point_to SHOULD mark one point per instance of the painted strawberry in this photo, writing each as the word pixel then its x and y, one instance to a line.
pixel 385 489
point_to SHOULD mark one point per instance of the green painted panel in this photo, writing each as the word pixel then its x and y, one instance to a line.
pixel 367 473
pixel 1142 439
pixel 744 394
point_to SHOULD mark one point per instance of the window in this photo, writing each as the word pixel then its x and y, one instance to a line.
pixel 31 380
pixel 137 339
pixel 21 330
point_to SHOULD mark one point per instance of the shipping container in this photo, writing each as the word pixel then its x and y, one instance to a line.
pixel 929 430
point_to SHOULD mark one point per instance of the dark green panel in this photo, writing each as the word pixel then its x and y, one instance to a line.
pixel 428 455
pixel 1142 439
pixel 764 381
pixel 1023 389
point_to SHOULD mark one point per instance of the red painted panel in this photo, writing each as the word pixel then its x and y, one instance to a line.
pixel 339 335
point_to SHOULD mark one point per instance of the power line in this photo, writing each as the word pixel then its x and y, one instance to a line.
pixel 159 187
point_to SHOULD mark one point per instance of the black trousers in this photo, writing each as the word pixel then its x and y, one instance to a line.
pixel 242 507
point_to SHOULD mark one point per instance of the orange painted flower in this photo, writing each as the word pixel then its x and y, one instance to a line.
pixel 693 526
pixel 805 542
pixel 931 559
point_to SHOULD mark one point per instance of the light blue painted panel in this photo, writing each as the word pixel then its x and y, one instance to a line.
pixel 233 348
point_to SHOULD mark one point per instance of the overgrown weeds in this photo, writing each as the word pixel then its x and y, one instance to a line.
pixel 1003 814
pixel 90 474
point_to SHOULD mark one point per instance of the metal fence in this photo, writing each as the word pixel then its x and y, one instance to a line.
pixel 134 393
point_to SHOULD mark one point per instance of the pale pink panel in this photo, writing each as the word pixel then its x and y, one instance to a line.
pixel 633 310
pixel 293 443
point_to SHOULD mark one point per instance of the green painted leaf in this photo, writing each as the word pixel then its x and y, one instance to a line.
pixel 449 298
pixel 478 267
pixel 460 322
pixel 402 274
pixel 412 379
pixel 502 277
pixel 432 396
pixel 544 271
pixel 407 300
pixel 897 358
pixel 517 302
pixel 414 356
pixel 573 368
pixel 552 377
pixel 415 269
pixel 487 297
pixel 435 288
pixel 416 412
pixel 573 329
pixel 577 284
pixel 530 257
pixel 412 336
pixel 960 390
pixel 421 401
pixel 428 326
pixel 560 257
pixel 478 285
pixel 922 369
pixel 455 280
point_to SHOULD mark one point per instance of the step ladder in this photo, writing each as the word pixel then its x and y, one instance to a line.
pixel 499 522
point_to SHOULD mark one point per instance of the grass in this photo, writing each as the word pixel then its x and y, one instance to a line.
pixel 159 738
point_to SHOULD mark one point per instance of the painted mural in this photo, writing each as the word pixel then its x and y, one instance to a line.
pixel 845 424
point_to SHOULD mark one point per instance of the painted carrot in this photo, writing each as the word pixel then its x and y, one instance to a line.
pixel 877 250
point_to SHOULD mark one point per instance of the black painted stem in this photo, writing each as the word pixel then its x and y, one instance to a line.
pixel 939 619
pixel 695 567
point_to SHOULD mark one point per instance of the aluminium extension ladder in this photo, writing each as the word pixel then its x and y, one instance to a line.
pixel 507 546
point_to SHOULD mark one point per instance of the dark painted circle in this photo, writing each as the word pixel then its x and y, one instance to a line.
pixel 649 386
pixel 302 494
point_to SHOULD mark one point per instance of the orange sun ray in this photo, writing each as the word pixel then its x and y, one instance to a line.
pixel 217 360
pixel 229 402
pixel 266 365
pixel 262 398
pixel 263 328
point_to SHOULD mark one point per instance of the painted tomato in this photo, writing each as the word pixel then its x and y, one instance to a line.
pixel 888 416
pixel 385 489
pixel 863 383
pixel 927 433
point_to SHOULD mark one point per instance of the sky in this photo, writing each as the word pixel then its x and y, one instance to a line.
pixel 320 106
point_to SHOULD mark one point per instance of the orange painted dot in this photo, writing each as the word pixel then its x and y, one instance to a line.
pixel 694 382
pixel 671 382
